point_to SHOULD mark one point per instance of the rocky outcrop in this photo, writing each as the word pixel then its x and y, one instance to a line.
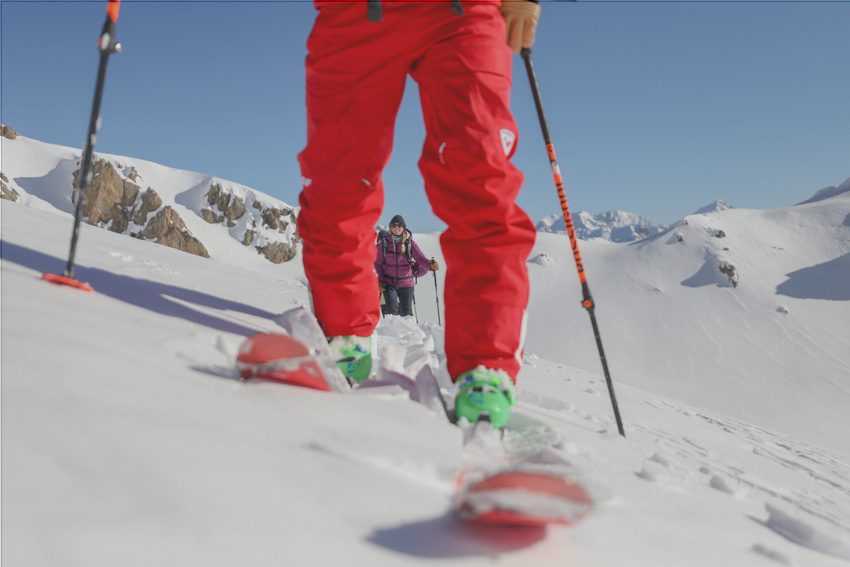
pixel 277 252
pixel 133 175
pixel 109 200
pixel 231 206
pixel 728 270
pixel 120 196
pixel 167 228
pixel 248 237
pixel 9 133
pixel 113 201
pixel 147 203
pixel 227 208
pixel 276 219
pixel 7 192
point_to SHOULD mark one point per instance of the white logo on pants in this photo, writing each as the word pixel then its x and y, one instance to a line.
pixel 508 139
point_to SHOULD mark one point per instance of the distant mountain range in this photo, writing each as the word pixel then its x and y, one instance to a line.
pixel 615 226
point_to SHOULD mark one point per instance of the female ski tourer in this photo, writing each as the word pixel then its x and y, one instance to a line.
pixel 398 263
pixel 460 55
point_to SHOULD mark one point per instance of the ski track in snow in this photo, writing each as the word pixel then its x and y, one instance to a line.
pixel 810 510
pixel 815 518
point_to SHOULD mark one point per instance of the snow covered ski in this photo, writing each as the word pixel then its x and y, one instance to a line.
pixel 280 358
pixel 514 477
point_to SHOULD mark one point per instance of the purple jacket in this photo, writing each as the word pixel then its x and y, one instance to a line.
pixel 395 269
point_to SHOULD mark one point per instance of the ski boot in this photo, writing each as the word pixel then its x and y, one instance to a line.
pixel 353 355
pixel 484 392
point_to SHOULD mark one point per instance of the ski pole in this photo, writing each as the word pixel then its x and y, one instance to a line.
pixel 415 311
pixel 587 300
pixel 107 45
pixel 436 294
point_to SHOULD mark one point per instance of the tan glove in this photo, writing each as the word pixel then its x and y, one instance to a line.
pixel 434 265
pixel 381 287
pixel 521 19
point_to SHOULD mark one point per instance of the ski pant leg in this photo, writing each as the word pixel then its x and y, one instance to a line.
pixel 405 301
pixel 465 86
pixel 355 82
pixel 391 297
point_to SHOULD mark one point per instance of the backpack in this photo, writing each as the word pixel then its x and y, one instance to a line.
pixel 408 254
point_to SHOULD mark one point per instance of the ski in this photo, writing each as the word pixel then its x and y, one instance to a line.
pixel 518 497
pixel 280 358
pixel 515 477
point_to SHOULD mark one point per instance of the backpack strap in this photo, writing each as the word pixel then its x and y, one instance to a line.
pixel 386 246
pixel 410 252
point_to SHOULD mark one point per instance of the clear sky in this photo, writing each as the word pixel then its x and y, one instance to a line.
pixel 657 108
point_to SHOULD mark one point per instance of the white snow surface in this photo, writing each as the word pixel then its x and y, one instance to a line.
pixel 127 438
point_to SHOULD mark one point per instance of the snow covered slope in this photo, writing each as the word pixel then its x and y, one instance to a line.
pixel 42 175
pixel 127 440
pixel 742 311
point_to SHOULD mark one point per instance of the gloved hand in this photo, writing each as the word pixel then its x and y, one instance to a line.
pixel 381 287
pixel 521 18
pixel 434 265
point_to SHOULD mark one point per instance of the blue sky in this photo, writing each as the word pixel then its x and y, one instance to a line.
pixel 657 108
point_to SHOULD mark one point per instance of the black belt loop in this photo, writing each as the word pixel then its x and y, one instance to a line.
pixel 374 7
pixel 457 8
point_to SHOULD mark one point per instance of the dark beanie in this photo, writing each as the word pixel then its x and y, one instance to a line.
pixel 398 219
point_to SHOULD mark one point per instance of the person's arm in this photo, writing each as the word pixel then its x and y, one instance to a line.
pixel 423 264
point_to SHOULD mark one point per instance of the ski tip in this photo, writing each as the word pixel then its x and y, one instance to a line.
pixel 520 497
pixel 280 358
pixel 65 280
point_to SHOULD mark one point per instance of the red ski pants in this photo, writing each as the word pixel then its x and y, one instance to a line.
pixel 356 72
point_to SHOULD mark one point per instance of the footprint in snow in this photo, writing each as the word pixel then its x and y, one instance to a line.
pixel 725 485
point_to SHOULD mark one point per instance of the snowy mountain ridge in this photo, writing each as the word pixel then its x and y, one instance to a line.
pixel 615 226
pixel 828 192
pixel 197 197
pixel 190 211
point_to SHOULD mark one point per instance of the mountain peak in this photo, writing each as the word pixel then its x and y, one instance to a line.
pixel 718 205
